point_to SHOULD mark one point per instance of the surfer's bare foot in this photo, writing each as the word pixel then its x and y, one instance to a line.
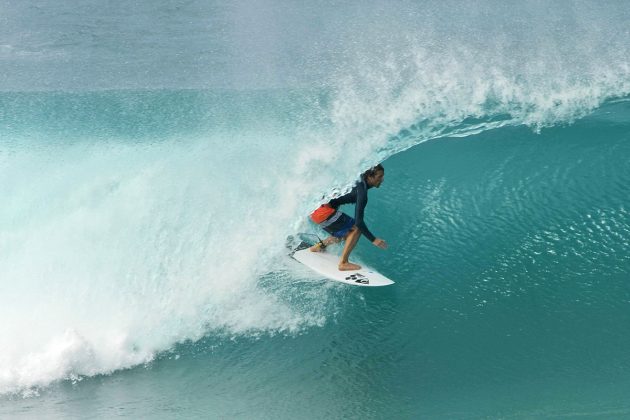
pixel 321 246
pixel 317 247
pixel 348 266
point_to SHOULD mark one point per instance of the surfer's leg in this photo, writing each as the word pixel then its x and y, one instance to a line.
pixel 351 240
pixel 318 246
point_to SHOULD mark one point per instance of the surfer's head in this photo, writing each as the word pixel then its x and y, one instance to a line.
pixel 374 176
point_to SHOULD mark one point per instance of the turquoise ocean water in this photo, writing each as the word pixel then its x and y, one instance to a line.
pixel 154 156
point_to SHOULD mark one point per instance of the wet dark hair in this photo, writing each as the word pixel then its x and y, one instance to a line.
pixel 373 170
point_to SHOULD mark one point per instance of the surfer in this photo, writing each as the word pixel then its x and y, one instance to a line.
pixel 343 227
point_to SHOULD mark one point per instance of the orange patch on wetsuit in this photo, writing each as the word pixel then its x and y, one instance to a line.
pixel 322 213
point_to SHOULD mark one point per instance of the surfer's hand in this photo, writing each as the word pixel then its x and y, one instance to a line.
pixel 380 243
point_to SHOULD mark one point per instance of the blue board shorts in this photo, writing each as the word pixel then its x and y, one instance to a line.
pixel 341 225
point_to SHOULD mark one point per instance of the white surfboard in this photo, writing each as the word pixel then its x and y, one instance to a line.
pixel 326 264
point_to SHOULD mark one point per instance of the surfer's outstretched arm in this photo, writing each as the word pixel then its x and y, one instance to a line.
pixel 359 211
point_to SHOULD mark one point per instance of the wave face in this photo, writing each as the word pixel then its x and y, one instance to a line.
pixel 153 160
pixel 122 237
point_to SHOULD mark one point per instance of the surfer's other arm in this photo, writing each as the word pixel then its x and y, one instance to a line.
pixel 374 181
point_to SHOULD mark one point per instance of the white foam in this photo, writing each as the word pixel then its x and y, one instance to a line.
pixel 123 251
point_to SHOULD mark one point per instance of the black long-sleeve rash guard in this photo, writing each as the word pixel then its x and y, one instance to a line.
pixel 357 195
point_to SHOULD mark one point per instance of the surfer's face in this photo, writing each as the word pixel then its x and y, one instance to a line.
pixel 377 179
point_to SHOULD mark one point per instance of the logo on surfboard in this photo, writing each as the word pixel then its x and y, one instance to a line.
pixel 358 278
